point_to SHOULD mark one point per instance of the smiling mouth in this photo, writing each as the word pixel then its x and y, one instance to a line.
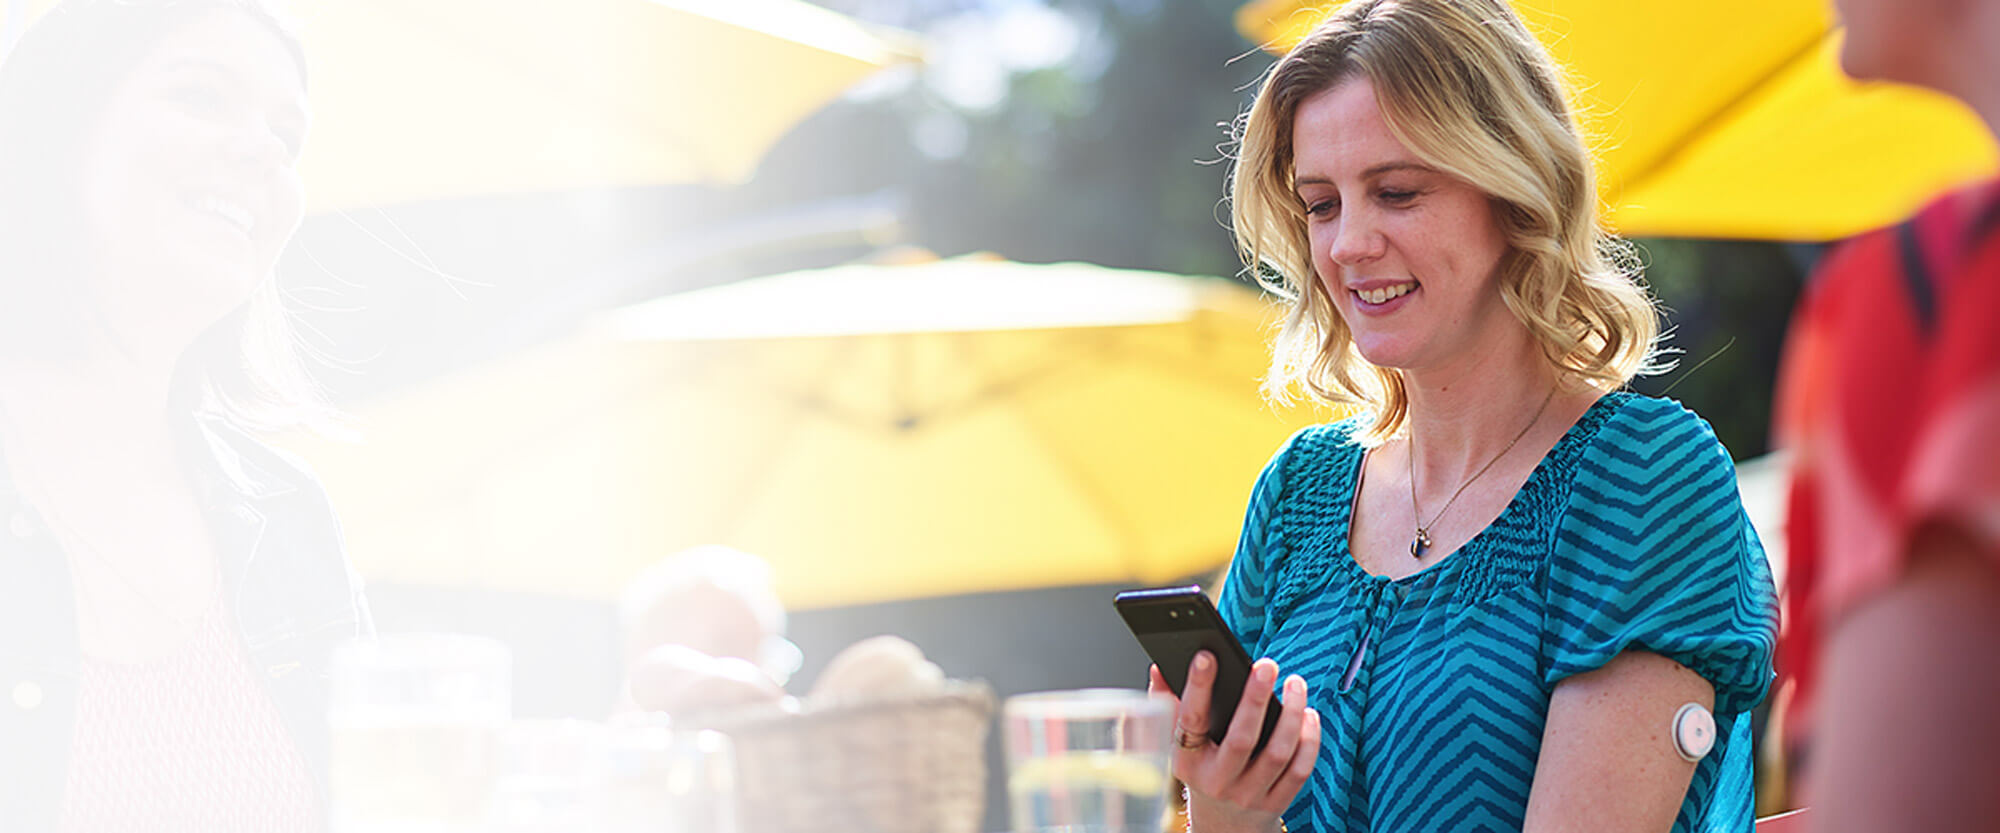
pixel 229 211
pixel 1386 294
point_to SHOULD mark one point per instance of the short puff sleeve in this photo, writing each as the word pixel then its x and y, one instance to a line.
pixel 1654 552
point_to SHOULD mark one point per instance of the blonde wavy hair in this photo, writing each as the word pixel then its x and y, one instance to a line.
pixel 1471 93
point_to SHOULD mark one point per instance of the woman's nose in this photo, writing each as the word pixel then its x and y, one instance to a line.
pixel 257 146
pixel 1356 241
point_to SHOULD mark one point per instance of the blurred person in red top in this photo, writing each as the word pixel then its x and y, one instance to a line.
pixel 1890 400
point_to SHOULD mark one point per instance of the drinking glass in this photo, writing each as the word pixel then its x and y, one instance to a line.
pixel 1088 761
pixel 550 777
pixel 416 721
pixel 664 780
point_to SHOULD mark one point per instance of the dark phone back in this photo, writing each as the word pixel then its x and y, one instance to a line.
pixel 1173 624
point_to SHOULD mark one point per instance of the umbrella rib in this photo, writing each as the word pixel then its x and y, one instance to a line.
pixel 907 416
pixel 1012 385
pixel 1204 375
pixel 1130 550
pixel 1720 114
pixel 755 477
pixel 768 385
pixel 1105 344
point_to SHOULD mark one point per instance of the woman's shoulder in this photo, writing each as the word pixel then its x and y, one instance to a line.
pixel 1329 438
pixel 1318 447
pixel 1637 423
pixel 1644 450
pixel 1309 460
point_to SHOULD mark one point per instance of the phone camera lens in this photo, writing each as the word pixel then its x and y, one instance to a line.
pixel 1173 614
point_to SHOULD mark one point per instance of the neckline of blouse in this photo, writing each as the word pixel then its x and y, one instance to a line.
pixel 1477 543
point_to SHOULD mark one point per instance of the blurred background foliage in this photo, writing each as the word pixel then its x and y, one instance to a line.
pixel 1096 130
pixel 1040 130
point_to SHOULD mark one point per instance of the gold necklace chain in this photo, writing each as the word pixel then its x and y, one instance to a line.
pixel 1422 541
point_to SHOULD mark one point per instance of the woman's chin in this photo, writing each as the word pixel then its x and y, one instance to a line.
pixel 1386 353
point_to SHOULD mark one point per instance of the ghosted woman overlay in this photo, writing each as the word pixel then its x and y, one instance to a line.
pixel 171 587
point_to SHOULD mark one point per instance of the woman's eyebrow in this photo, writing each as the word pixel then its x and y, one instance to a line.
pixel 1387 167
pixel 235 76
pixel 1378 170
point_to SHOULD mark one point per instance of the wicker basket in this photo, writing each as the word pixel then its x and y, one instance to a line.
pixel 909 765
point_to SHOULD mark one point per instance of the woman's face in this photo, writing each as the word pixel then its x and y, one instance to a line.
pixel 1887 39
pixel 1408 255
pixel 189 184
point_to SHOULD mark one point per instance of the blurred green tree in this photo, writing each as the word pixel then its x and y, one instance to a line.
pixel 1117 154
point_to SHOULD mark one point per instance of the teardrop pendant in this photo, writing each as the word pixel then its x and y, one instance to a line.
pixel 1420 543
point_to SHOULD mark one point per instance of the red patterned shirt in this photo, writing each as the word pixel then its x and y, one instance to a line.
pixel 192 743
pixel 1890 400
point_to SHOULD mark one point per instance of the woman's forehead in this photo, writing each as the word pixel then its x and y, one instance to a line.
pixel 1340 132
pixel 232 45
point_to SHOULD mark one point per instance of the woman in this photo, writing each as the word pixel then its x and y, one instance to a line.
pixel 1889 399
pixel 172 588
pixel 1495 593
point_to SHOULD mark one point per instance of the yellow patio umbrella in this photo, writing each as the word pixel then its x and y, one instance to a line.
pixel 421 99
pixel 876 432
pixel 1718 118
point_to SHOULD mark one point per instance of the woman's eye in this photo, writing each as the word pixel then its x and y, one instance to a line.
pixel 1395 197
pixel 201 101
pixel 1323 208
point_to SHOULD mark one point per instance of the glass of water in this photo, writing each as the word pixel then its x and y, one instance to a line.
pixel 417 721
pixel 667 781
pixel 1088 761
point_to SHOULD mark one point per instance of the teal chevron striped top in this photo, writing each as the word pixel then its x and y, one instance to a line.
pixel 1434 688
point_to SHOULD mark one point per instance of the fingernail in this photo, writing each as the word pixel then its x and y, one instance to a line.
pixel 1296 684
pixel 1202 662
pixel 1267 672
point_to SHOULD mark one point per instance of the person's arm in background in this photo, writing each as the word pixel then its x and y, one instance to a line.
pixel 1909 721
pixel 1608 761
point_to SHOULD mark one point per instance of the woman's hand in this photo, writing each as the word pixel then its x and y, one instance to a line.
pixel 1228 788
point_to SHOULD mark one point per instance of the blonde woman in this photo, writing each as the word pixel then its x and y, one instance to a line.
pixel 1492 595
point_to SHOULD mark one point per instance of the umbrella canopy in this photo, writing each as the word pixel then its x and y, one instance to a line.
pixel 1717 118
pixel 876 432
pixel 423 99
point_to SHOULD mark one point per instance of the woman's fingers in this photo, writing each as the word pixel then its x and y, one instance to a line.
pixel 1227 772
pixel 1304 757
pixel 1270 764
pixel 1248 722
pixel 1193 717
pixel 1191 744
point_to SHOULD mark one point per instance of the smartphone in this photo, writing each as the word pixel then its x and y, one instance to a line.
pixel 1173 624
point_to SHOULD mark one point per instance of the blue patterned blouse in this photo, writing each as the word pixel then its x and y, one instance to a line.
pixel 1434 688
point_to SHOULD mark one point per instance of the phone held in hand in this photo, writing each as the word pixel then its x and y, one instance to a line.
pixel 1175 623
